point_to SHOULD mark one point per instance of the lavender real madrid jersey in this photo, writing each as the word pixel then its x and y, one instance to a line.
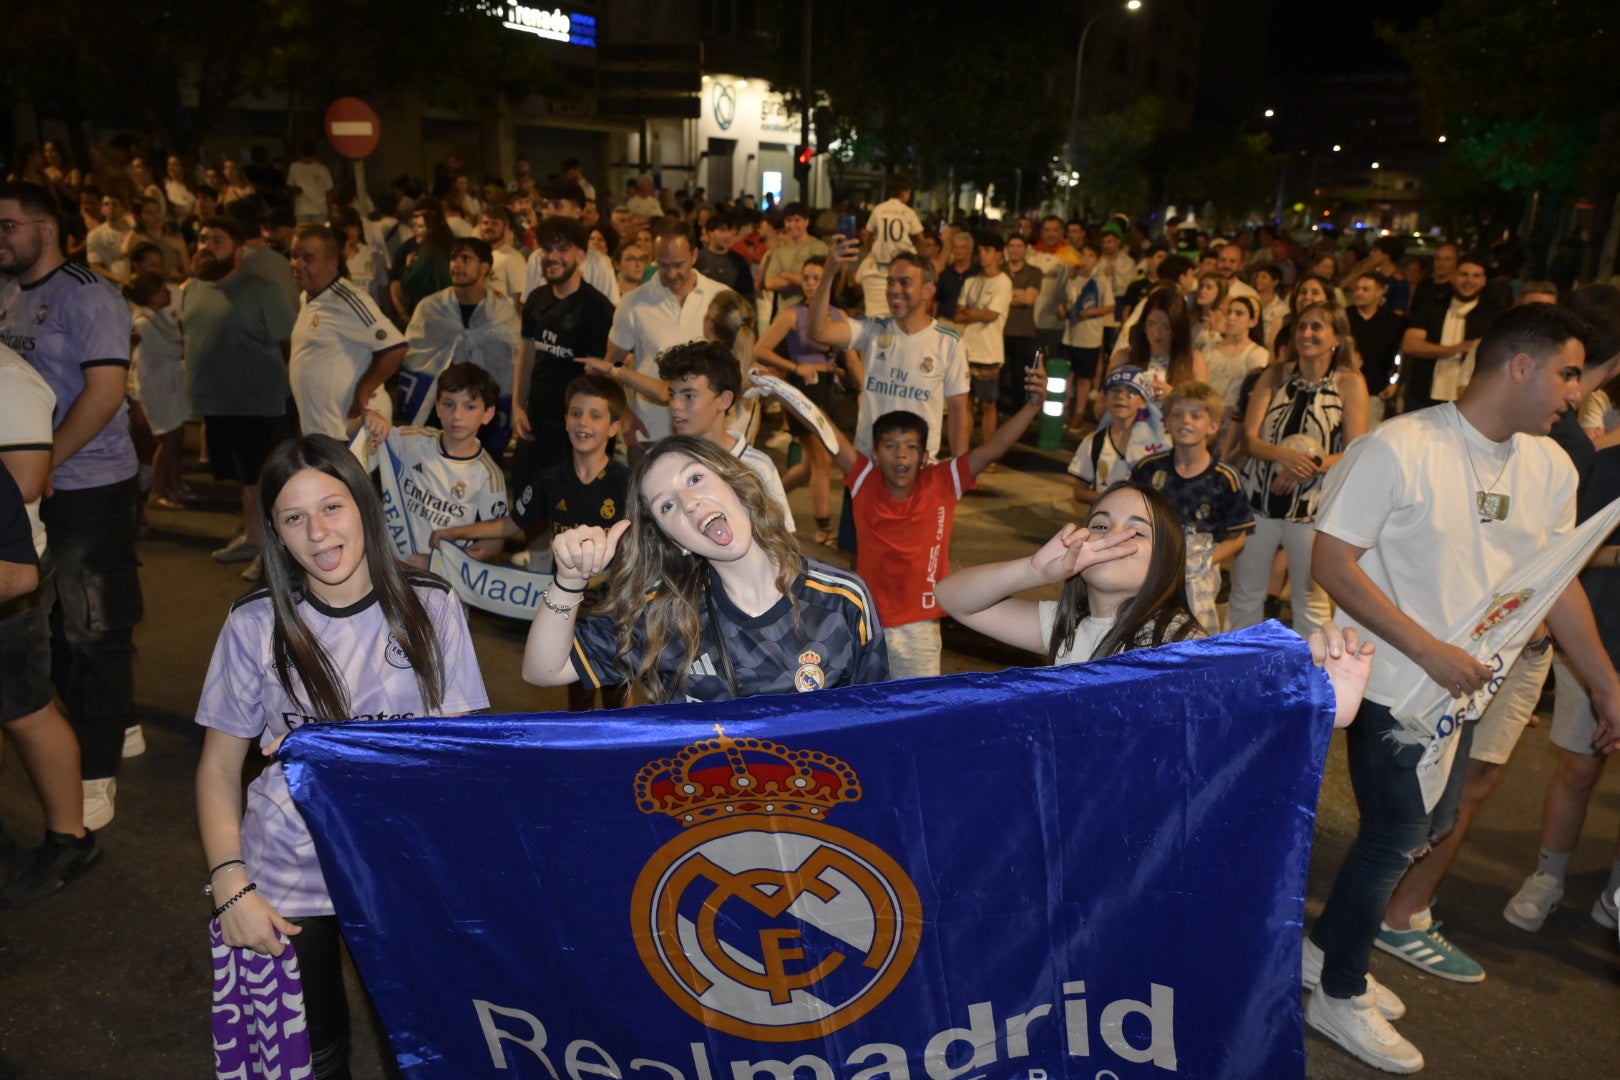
pixel 241 696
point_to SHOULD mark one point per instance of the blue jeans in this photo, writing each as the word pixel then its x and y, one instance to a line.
pixel 1395 830
pixel 91 532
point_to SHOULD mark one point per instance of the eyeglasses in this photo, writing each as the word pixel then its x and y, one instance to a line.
pixel 7 226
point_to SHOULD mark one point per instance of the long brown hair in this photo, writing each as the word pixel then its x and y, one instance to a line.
pixel 1165 298
pixel 659 588
pixel 1159 613
pixel 296 652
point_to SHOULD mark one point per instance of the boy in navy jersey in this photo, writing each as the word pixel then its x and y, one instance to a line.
pixel 1206 494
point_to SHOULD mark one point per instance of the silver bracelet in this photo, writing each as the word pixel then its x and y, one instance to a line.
pixel 545 598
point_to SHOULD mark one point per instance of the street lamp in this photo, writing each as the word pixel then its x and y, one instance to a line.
pixel 1074 103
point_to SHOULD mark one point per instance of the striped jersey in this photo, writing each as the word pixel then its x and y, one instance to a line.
pixel 836 639
pixel 338 332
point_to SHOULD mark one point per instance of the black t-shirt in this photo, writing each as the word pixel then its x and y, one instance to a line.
pixel 562 328
pixel 1378 339
pixel 729 269
pixel 555 495
pixel 948 292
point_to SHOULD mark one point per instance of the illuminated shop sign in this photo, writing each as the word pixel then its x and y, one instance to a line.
pixel 570 28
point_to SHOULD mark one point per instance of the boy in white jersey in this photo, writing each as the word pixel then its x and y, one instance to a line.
pixel 446 477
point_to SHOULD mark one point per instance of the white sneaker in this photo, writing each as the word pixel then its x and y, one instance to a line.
pixel 98 802
pixel 1604 909
pixel 1357 1026
pixel 134 741
pixel 1530 906
pixel 1389 1003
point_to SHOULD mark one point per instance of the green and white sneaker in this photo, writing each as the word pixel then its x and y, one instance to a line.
pixel 1430 951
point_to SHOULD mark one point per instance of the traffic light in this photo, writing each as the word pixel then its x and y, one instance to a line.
pixel 801 162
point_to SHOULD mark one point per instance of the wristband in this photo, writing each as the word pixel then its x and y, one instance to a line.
pixel 555 584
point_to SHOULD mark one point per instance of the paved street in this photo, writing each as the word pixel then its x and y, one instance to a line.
pixel 111 977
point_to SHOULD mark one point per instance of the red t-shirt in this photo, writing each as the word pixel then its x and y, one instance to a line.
pixel 903 545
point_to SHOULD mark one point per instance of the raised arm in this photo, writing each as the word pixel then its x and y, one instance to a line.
pixel 821 325
pixel 981 597
pixel 980 457
pixel 577 555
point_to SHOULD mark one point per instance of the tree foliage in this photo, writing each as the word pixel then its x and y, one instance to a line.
pixel 1527 95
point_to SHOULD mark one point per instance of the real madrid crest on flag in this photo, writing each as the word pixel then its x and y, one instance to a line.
pixel 759 919
pixel 1078 872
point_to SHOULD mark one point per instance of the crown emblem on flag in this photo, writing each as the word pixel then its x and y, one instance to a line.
pixel 723 777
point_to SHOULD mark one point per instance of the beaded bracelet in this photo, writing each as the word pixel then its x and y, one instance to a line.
pixel 249 888
pixel 545 598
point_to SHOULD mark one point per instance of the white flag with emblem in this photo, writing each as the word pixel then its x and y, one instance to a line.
pixel 1495 637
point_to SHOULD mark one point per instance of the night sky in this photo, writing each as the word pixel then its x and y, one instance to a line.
pixel 1337 37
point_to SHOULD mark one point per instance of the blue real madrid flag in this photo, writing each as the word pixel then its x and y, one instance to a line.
pixel 1070 872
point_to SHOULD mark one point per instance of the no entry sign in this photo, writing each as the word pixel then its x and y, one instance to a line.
pixel 352 128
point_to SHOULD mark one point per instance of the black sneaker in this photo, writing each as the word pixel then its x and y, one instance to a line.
pixel 57 861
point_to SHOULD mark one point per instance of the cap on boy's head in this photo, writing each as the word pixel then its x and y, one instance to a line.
pixel 1133 377
pixel 1113 228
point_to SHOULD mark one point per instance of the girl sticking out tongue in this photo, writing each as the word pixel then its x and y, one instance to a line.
pixel 708 595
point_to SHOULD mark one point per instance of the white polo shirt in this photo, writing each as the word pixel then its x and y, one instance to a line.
pixel 914 372
pixel 338 332
pixel 651 320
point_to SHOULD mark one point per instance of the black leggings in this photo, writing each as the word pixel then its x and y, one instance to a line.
pixel 320 964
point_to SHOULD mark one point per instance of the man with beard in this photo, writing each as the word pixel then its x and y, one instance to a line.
pixel 508 269
pixel 565 320
pixel 1441 336
pixel 343 349
pixel 469 322
pixel 236 323
pixel 561 198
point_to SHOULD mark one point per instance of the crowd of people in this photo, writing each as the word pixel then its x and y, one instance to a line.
pixel 1368 443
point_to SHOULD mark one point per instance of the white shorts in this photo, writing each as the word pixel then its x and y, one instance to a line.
pixel 1505 718
pixel 913 649
pixel 1574 724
